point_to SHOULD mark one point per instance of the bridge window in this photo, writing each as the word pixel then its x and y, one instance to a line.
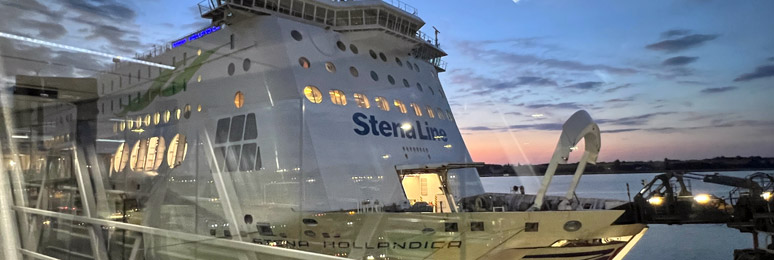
pixel 338 97
pixel 221 132
pixel 417 109
pixel 249 154
pixel 232 157
pixel 303 62
pixel 430 112
pixel 313 94
pixel 440 114
pixel 237 128
pixel 178 148
pixel 382 103
pixel 399 104
pixel 251 131
pixel 362 101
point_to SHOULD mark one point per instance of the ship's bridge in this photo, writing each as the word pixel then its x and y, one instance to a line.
pixel 393 17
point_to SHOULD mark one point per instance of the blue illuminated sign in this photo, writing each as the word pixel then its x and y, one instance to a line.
pixel 195 36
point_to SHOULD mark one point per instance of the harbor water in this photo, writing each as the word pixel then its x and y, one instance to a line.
pixel 700 242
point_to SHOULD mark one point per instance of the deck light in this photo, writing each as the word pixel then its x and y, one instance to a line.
pixel 766 195
pixel 702 198
pixel 656 201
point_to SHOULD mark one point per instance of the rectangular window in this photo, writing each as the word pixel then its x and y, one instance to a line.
pixel 237 128
pixel 258 163
pixel 247 162
pixel 232 41
pixel 251 131
pixel 232 157
pixel 221 133
pixel 309 11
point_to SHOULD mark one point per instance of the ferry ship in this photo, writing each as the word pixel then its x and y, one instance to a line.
pixel 293 129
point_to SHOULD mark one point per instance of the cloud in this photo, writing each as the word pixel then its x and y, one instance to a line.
pixel 588 85
pixel 760 72
pixel 619 100
pixel 682 43
pixel 482 85
pixel 475 50
pixel 679 61
pixel 478 128
pixel 545 126
pixel 616 88
pixel 110 9
pixel 718 90
pixel 770 59
pixel 632 120
pixel 566 105
pixel 674 32
pixel 45 29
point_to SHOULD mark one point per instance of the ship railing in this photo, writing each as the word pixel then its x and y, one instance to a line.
pixel 396 3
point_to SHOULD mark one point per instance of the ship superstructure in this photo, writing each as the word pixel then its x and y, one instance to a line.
pixel 314 126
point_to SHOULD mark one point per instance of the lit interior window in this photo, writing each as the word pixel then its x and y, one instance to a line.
pixel 313 94
pixel 147 154
pixel 122 126
pixel 440 114
pixel 120 158
pixel 362 101
pixel 129 123
pixel 167 116
pixel 187 111
pixel 147 120
pixel 115 128
pixel 156 118
pixel 178 148
pixel 430 112
pixel 239 99
pixel 178 113
pixel 399 104
pixel 417 109
pixel 338 97
pixel 138 121
pixel 382 103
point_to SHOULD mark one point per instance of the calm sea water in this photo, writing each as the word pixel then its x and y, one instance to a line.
pixel 700 242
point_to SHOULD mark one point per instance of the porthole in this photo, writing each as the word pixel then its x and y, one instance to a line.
pixel 383 57
pixel 408 64
pixel 353 48
pixel 167 116
pixel 401 107
pixel 199 52
pixel 419 86
pixel 156 118
pixel 138 121
pixel 146 154
pixel 391 79
pixel 303 62
pixel 313 94
pixel 239 99
pixel 120 158
pixel 178 113
pixel 248 219
pixel 362 101
pixel 296 35
pixel 338 97
pixel 432 92
pixel 397 60
pixel 416 67
pixel 129 124
pixel 405 83
pixel 178 148
pixel 246 64
pixel 115 128
pixel 231 69
pixel 330 67
pixel 440 114
pixel 199 108
pixel 372 53
pixel 354 72
pixel 341 46
pixel 147 120
pixel 430 112
pixel 417 109
pixel 374 76
pixel 449 115
pixel 187 111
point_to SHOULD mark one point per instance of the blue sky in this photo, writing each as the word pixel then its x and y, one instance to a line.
pixel 678 79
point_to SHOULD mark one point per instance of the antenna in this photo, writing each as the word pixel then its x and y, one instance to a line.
pixel 436 35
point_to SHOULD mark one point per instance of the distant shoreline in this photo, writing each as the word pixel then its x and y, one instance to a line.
pixel 718 164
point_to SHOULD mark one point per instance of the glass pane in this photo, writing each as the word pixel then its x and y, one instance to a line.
pixel 237 128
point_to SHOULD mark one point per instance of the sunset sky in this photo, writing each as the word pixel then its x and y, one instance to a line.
pixel 685 79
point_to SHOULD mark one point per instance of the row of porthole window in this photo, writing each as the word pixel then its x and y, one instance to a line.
pixel 338 97
pixel 353 48
pixel 155 119
pixel 148 154
pixel 330 67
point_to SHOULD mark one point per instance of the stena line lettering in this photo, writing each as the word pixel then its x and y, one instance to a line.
pixel 370 125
